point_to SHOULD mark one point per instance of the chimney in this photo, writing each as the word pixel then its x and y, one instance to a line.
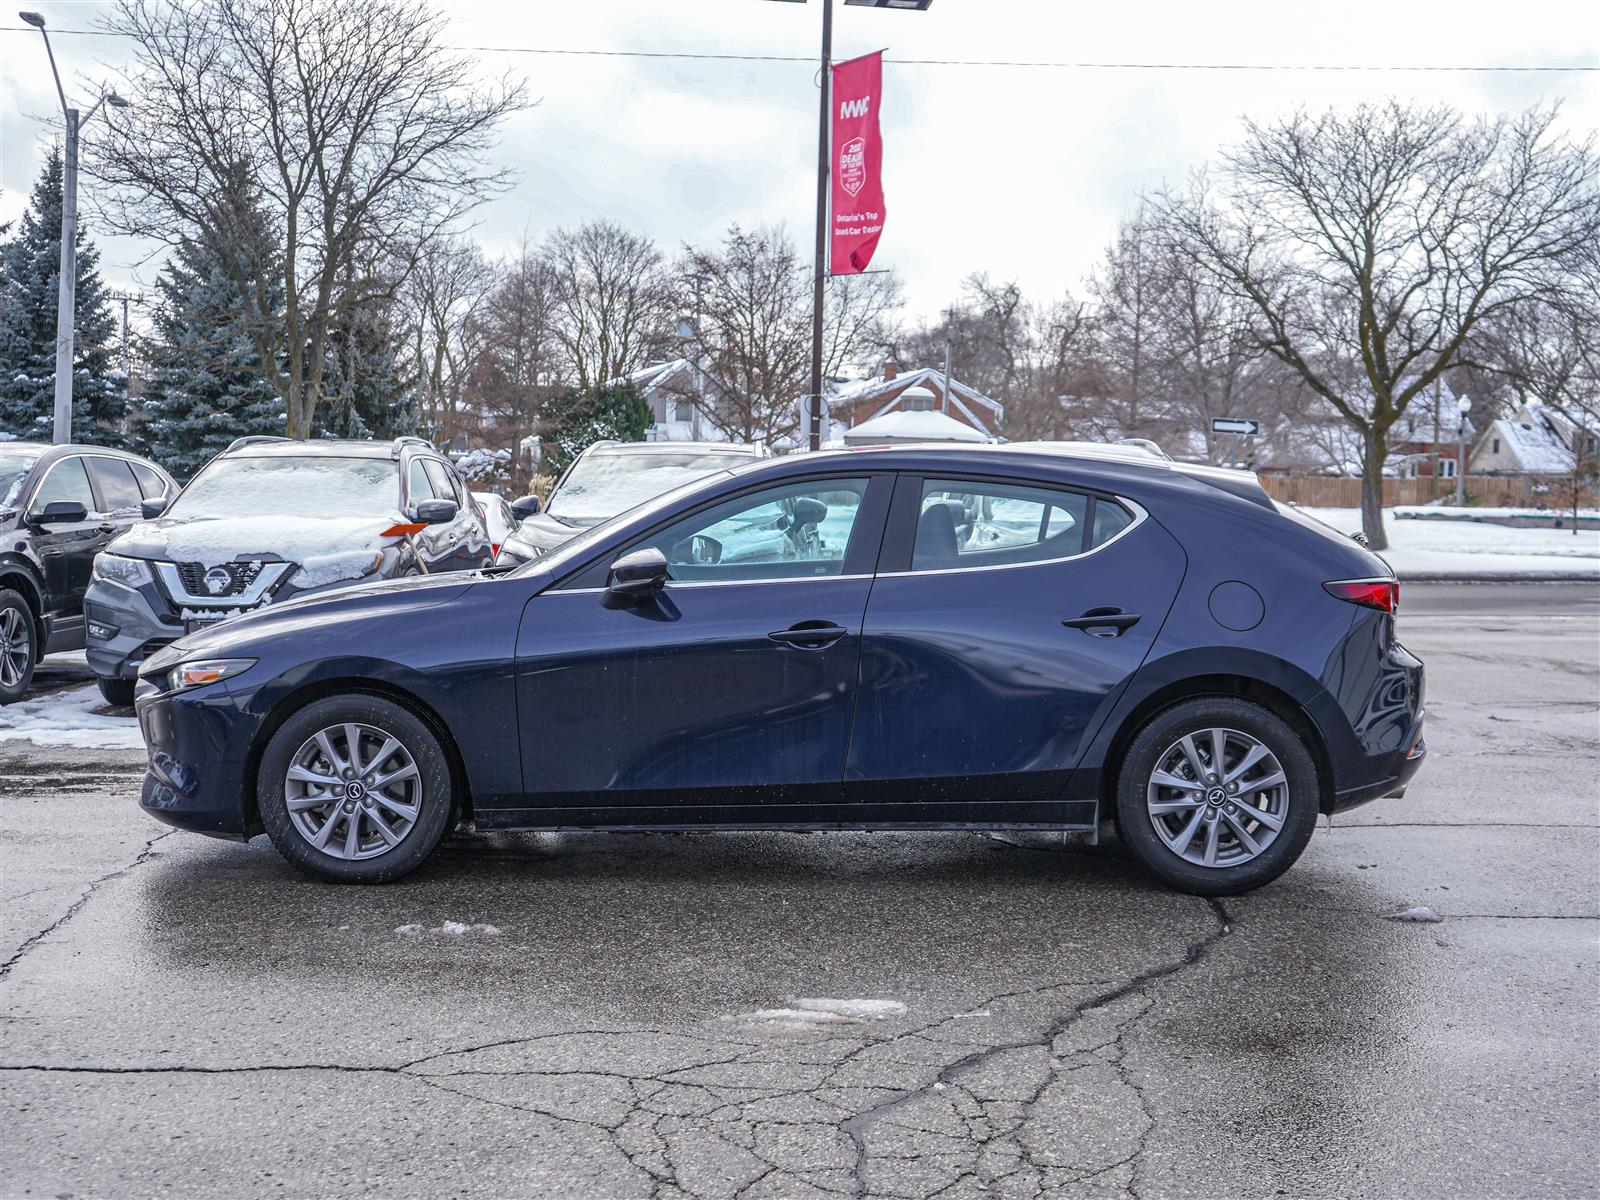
pixel 890 369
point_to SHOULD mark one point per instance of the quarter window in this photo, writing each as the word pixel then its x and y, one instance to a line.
pixel 968 524
pixel 1110 519
pixel 67 481
pixel 797 531
pixel 150 482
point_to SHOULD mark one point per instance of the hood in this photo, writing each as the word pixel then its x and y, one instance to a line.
pixel 546 532
pixel 328 549
pixel 339 604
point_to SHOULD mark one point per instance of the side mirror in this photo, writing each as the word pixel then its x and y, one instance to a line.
pixel 528 506
pixel 808 511
pixel 153 508
pixel 638 575
pixel 436 512
pixel 62 512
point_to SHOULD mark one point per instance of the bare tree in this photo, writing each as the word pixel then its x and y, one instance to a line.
pixel 352 127
pixel 752 309
pixel 1127 291
pixel 859 312
pixel 1370 245
pixel 519 362
pixel 449 283
pixel 613 300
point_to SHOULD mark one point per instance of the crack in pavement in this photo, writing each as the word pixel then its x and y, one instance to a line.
pixel 77 905
pixel 859 1126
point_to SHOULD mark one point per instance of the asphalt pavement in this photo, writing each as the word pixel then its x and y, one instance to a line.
pixel 773 1015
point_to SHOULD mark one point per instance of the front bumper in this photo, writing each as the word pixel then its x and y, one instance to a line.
pixel 122 629
pixel 198 743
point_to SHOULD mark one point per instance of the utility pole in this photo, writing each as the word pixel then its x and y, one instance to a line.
pixel 66 292
pixel 825 88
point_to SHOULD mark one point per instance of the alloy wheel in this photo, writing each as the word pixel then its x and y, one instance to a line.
pixel 353 791
pixel 1217 797
pixel 16 647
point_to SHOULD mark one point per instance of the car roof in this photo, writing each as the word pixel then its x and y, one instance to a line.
pixel 51 451
pixel 732 449
pixel 319 448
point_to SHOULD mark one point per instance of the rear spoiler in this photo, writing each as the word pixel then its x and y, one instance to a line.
pixel 1243 484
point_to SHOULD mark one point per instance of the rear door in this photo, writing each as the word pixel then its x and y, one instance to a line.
pixel 1006 618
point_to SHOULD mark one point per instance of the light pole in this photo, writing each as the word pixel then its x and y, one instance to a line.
pixel 814 401
pixel 66 292
pixel 1464 405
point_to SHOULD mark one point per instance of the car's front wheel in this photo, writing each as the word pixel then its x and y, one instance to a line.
pixel 19 650
pixel 1217 795
pixel 116 690
pixel 355 789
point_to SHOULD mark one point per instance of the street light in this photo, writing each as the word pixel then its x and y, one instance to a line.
pixel 1464 404
pixel 814 403
pixel 66 292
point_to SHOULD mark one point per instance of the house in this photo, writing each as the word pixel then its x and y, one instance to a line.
pixel 1536 442
pixel 853 403
pixel 913 419
pixel 675 391
pixel 1427 432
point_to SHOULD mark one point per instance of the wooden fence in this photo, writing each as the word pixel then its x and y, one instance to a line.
pixel 1326 491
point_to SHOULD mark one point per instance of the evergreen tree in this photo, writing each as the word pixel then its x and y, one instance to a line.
pixel 28 293
pixel 365 392
pixel 205 385
pixel 574 420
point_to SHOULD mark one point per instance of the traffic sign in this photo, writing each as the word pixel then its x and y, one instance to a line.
pixel 1247 426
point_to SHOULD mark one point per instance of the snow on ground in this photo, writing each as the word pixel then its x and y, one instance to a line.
pixel 69 719
pixel 1418 549
pixel 807 1013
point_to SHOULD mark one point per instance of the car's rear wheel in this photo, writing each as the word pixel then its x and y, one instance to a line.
pixel 19 648
pixel 116 690
pixel 355 789
pixel 1217 795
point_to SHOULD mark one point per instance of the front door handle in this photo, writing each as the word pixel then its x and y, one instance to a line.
pixel 1103 622
pixel 809 635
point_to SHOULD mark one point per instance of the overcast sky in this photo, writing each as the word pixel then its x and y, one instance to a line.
pixel 1019 171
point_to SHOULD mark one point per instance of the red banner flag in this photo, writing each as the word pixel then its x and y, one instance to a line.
pixel 857 204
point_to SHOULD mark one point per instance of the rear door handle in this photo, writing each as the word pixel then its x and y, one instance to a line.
pixel 1103 622
pixel 809 635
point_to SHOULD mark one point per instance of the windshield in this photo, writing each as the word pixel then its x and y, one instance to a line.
pixel 14 468
pixel 291 487
pixel 603 485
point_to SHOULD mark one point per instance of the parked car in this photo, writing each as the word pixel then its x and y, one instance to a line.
pixel 497 518
pixel 609 478
pixel 59 507
pixel 910 637
pixel 268 520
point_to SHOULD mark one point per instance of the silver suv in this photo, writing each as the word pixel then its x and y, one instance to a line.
pixel 268 520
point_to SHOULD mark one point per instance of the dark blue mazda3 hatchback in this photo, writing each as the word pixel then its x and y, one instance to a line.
pixel 1034 637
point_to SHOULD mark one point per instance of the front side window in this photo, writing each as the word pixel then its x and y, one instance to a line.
pixel 151 485
pixel 795 531
pixel 67 481
pixel 418 486
pixel 444 486
pixel 283 486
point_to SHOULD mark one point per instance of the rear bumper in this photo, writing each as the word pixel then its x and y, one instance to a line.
pixel 1395 774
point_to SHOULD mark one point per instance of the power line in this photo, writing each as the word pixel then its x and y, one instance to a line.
pixel 1026 64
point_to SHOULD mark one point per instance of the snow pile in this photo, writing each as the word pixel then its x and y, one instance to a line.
pixel 1435 512
pixel 1472 550
pixel 804 1013
pixel 1419 914
pixel 69 719
pixel 455 929
pixel 477 464
pixel 328 549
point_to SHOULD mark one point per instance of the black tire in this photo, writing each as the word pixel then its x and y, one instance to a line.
pixel 117 691
pixel 435 808
pixel 1135 824
pixel 22 650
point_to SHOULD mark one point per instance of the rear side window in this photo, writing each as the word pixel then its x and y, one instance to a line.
pixel 150 482
pixel 119 490
pixel 961 523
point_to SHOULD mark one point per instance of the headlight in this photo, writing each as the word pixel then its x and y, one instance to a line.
pixel 200 671
pixel 114 568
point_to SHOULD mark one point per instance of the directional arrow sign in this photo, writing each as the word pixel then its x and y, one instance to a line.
pixel 1247 426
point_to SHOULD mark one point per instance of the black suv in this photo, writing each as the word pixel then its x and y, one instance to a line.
pixel 268 520
pixel 59 507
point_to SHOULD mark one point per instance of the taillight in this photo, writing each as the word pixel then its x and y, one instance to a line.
pixel 1381 594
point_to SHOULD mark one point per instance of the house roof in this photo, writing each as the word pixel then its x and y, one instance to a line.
pixel 1535 442
pixel 912 426
pixel 966 400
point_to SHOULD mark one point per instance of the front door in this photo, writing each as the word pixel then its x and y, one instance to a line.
pixel 732 689
pixel 67 549
pixel 1005 622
